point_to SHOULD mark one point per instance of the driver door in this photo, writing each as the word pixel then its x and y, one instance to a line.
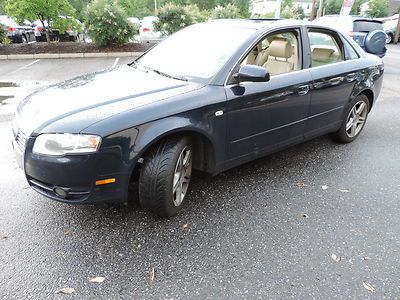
pixel 265 116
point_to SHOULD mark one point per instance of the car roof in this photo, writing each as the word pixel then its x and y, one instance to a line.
pixel 257 23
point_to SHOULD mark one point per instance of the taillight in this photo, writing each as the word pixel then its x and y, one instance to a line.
pixel 39 29
pixel 69 30
pixel 11 29
pixel 146 29
pixel 351 34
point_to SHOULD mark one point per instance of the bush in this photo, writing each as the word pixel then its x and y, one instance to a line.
pixel 293 12
pixel 377 8
pixel 229 11
pixel 62 24
pixel 198 16
pixel 173 18
pixel 3 34
pixel 107 23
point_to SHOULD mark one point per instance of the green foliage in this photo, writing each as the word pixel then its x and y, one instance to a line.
pixel 107 23
pixel 377 8
pixel 268 15
pixel 173 18
pixel 243 6
pixel 62 24
pixel 43 10
pixel 3 36
pixel 137 8
pixel 197 15
pixel 229 11
pixel 332 7
pixel 290 11
pixel 356 8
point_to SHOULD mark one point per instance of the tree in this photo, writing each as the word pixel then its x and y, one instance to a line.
pixel 243 6
pixel 44 10
pixel 332 7
pixel 80 7
pixel 172 18
pixel 356 8
pixel 229 11
pixel 377 8
pixel 137 8
pixel 290 11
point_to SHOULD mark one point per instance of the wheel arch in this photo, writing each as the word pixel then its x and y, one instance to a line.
pixel 370 95
pixel 203 143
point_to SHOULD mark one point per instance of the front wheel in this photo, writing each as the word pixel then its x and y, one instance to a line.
pixel 355 118
pixel 165 176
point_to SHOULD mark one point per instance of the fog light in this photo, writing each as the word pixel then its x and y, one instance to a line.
pixel 61 192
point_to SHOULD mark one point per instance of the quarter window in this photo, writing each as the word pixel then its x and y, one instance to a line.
pixel 324 49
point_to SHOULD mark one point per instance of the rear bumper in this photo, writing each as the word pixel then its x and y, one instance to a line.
pixel 75 175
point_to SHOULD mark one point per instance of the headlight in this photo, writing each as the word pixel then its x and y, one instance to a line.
pixel 66 143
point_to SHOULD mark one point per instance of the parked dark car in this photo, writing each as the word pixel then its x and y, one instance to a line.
pixel 362 30
pixel 73 33
pixel 242 90
pixel 15 32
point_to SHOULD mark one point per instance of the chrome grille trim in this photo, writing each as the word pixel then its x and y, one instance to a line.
pixel 20 140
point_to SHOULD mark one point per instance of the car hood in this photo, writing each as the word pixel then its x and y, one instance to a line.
pixel 75 104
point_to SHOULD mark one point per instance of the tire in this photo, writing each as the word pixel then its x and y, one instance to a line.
pixel 165 176
pixel 389 39
pixel 355 117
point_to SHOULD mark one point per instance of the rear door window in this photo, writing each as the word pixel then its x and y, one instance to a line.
pixel 325 48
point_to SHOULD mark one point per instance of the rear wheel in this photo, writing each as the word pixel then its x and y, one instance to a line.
pixel 355 118
pixel 389 39
pixel 165 176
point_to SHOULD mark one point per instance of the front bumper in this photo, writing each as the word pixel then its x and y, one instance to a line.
pixel 75 175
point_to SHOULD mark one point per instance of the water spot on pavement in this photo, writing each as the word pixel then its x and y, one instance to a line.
pixel 4 98
pixel 8 84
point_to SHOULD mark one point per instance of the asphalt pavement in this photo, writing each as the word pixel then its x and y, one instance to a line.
pixel 317 221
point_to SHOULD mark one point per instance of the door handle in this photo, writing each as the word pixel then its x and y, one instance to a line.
pixel 303 90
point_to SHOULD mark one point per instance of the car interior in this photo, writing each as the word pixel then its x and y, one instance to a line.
pixel 324 49
pixel 278 53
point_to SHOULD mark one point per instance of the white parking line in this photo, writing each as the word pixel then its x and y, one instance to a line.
pixel 115 63
pixel 26 66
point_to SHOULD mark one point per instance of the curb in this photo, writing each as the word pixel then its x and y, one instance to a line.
pixel 69 55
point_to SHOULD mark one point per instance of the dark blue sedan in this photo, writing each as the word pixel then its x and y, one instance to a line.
pixel 210 97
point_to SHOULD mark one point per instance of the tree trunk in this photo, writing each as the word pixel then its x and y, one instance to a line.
pixel 46 30
pixel 396 35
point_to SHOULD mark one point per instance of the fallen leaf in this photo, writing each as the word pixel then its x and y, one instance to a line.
pixel 324 187
pixel 366 258
pixel 3 236
pixel 185 227
pixel 66 291
pixel 344 190
pixel 68 232
pixel 152 274
pixel 369 287
pixel 305 216
pixel 97 279
pixel 336 258
pixel 301 184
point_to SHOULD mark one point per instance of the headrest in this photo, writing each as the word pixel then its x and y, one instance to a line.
pixel 280 48
pixel 321 53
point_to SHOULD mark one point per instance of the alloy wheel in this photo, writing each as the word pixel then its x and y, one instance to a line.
pixel 356 119
pixel 183 171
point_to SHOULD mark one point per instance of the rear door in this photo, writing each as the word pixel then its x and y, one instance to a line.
pixel 334 72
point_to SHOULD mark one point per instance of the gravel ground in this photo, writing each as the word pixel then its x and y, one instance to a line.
pixel 317 221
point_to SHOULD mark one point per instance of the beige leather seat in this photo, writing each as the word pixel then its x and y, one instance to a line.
pixel 257 57
pixel 279 53
pixel 322 56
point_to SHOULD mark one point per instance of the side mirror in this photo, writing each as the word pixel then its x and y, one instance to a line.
pixel 252 73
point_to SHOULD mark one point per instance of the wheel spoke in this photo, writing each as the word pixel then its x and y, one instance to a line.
pixel 360 108
pixel 349 124
pixel 353 129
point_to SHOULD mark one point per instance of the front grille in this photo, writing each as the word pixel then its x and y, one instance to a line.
pixel 20 140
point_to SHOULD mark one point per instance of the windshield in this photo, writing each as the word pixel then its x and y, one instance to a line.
pixel 196 52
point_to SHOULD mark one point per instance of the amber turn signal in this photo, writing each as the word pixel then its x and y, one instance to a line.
pixel 105 181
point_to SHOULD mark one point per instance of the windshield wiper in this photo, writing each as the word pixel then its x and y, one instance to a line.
pixel 165 74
